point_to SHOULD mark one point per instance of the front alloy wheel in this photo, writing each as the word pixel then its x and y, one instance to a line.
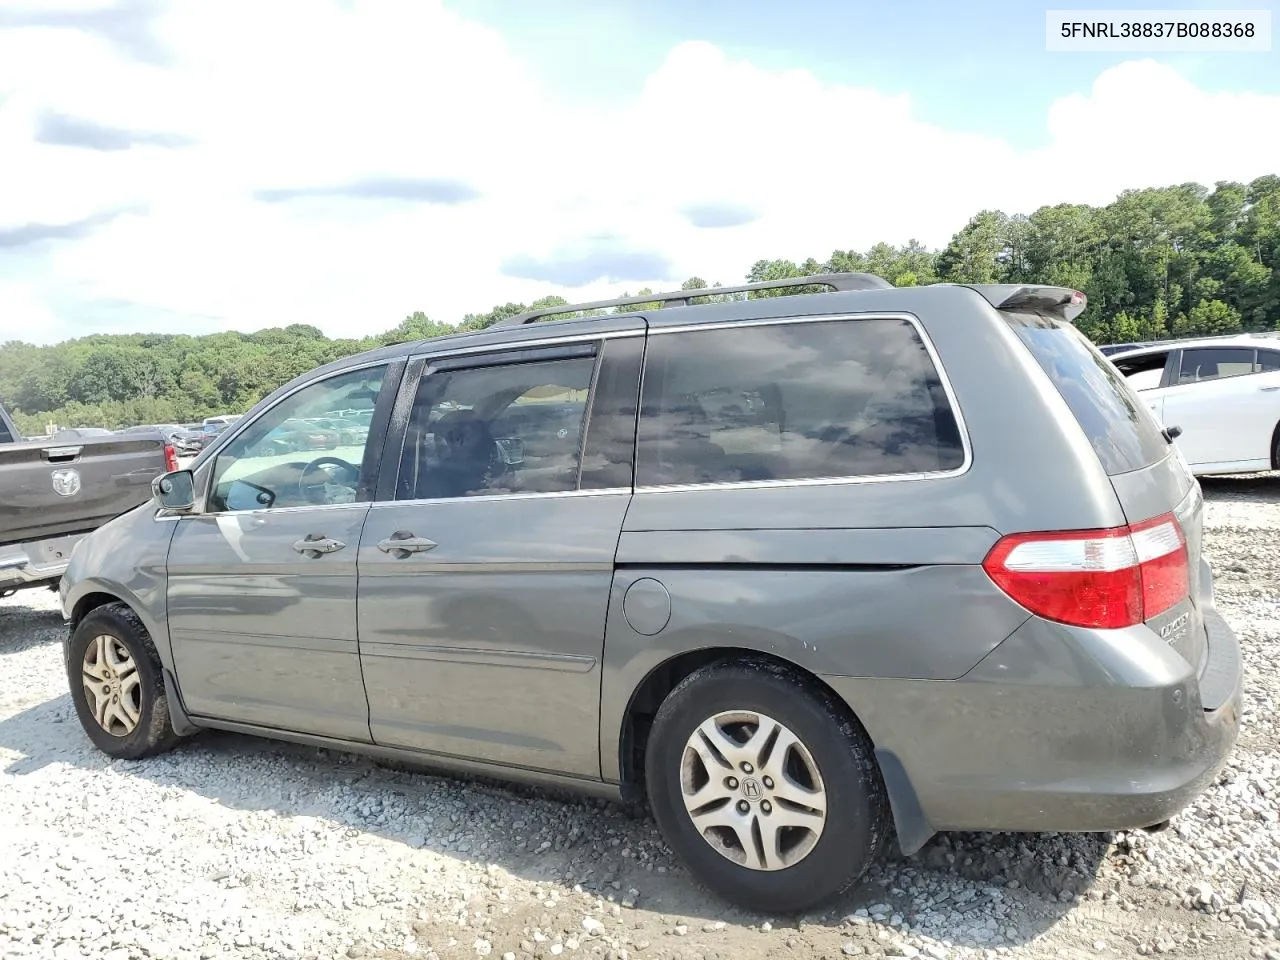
pixel 117 684
pixel 112 686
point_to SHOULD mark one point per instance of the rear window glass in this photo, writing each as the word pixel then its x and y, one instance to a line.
pixel 1121 430
pixel 792 401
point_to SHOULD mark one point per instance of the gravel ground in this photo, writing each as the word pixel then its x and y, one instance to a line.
pixel 271 850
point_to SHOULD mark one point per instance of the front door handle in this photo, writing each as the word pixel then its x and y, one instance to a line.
pixel 402 543
pixel 315 545
pixel 1269 389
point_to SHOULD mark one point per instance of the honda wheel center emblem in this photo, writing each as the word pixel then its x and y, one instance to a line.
pixel 66 482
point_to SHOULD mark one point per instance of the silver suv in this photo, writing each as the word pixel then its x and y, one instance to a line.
pixel 807 572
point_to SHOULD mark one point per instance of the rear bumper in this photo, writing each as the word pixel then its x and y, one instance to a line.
pixel 39 562
pixel 1057 731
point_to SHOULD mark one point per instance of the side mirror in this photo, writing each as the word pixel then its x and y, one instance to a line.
pixel 1172 433
pixel 175 491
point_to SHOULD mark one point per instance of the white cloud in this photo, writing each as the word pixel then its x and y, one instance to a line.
pixel 328 97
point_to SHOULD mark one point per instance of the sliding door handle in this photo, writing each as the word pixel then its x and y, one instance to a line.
pixel 402 543
pixel 314 545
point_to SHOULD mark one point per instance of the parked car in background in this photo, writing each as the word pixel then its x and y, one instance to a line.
pixel 183 440
pixel 347 432
pixel 294 436
pixel 209 432
pixel 1222 393
pixel 55 490
pixel 803 571
pixel 187 441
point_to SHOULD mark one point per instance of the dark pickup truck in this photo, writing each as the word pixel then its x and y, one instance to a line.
pixel 53 492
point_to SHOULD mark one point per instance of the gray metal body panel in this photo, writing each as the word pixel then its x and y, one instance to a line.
pixel 489 645
pixel 262 634
pixel 125 560
pixel 516 645
pixel 115 475
pixel 1058 728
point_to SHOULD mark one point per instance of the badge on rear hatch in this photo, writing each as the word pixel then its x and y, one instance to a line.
pixel 1175 628
pixel 66 482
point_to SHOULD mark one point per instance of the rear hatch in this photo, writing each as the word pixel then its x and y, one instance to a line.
pixel 110 475
pixel 1149 475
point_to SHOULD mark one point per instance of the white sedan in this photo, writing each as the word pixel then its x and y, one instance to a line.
pixel 1222 392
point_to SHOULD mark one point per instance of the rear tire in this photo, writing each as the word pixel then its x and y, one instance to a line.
pixel 117 685
pixel 791 807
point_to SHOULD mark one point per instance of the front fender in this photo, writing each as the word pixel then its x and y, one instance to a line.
pixel 125 560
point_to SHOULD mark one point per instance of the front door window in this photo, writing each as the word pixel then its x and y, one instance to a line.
pixel 308 450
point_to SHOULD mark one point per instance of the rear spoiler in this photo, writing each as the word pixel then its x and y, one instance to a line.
pixel 1060 302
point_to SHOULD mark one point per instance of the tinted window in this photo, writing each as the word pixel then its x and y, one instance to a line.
pixel 5 435
pixel 1268 361
pixel 792 401
pixel 283 459
pixel 508 428
pixel 1119 427
pixel 1214 363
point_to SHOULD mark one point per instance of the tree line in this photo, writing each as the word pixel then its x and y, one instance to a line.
pixel 1156 263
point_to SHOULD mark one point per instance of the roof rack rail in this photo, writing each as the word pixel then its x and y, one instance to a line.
pixel 836 281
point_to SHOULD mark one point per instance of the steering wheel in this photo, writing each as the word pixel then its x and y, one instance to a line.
pixel 305 489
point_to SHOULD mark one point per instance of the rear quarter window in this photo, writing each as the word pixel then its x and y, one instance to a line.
pixel 793 401
pixel 1119 427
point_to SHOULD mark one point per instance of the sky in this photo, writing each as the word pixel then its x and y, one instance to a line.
pixel 188 166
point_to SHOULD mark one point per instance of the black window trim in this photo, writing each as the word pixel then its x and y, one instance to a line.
pixel 966 446
pixel 590 415
pixel 579 346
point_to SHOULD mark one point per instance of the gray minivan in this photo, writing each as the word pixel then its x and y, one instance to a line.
pixel 807 572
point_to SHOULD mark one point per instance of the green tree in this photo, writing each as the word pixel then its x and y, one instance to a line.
pixel 979 253
pixel 1210 317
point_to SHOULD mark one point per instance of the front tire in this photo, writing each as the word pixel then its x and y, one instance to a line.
pixel 117 685
pixel 765 787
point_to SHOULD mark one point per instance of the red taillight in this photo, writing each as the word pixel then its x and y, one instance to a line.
pixel 1095 578
pixel 170 458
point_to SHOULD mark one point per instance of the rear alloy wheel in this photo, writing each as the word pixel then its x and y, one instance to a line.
pixel 117 684
pixel 765 786
pixel 753 790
